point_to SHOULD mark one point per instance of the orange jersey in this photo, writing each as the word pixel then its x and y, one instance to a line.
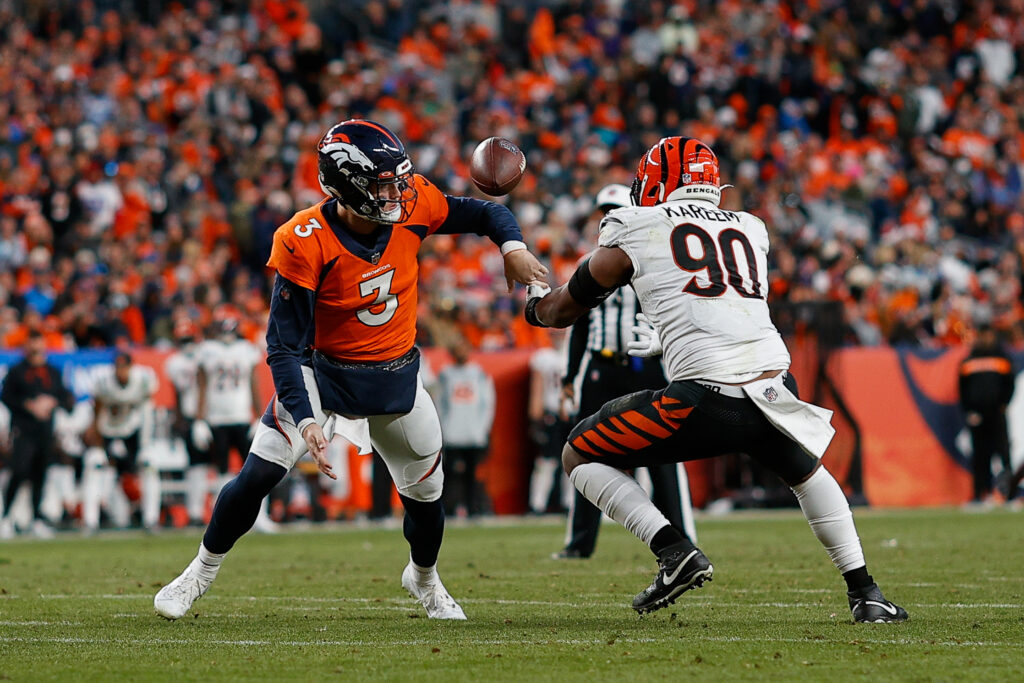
pixel 366 297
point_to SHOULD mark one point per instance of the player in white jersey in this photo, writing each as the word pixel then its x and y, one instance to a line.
pixel 228 397
pixel 548 415
pixel 700 274
pixel 182 369
pixel 229 400
pixel 123 418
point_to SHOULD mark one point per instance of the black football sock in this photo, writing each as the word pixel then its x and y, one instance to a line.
pixel 858 578
pixel 423 527
pixel 667 537
pixel 239 503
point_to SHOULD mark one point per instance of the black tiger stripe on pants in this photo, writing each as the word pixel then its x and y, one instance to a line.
pixel 607 380
pixel 686 421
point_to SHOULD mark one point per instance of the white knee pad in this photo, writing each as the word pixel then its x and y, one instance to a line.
pixel 410 444
pixel 421 479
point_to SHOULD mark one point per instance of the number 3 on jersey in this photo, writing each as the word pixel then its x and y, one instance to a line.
pixel 708 259
pixel 382 286
pixel 307 229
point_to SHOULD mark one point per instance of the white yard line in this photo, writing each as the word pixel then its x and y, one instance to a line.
pixel 519 642
pixel 702 600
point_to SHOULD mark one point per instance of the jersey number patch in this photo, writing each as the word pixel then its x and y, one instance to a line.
pixel 382 286
pixel 708 260
pixel 307 229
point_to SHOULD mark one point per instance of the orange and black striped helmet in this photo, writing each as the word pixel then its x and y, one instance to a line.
pixel 677 168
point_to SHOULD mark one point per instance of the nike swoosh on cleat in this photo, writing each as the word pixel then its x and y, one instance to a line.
pixel 888 608
pixel 669 578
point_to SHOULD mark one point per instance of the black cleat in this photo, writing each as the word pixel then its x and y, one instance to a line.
pixel 869 606
pixel 680 571
pixel 569 554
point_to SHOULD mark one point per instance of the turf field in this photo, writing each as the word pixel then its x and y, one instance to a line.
pixel 323 604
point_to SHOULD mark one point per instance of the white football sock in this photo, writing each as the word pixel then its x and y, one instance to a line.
pixel 150 485
pixel 620 497
pixel 196 487
pixel 424 575
pixel 828 512
pixel 92 494
pixel 541 482
pixel 207 563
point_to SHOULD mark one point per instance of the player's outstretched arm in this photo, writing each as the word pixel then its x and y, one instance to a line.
pixel 605 271
pixel 464 215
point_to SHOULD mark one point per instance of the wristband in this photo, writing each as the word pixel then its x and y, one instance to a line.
pixel 510 246
pixel 531 312
pixel 305 422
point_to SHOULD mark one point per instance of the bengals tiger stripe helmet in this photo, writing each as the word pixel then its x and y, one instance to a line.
pixel 358 160
pixel 677 168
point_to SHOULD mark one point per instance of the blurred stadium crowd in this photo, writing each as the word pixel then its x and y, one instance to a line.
pixel 149 149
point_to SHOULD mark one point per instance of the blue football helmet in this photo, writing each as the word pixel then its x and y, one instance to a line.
pixel 365 167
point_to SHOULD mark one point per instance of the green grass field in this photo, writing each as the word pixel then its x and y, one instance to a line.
pixel 318 604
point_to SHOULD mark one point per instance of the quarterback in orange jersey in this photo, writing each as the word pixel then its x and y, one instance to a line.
pixel 340 345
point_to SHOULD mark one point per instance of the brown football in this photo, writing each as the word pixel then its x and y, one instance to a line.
pixel 497 166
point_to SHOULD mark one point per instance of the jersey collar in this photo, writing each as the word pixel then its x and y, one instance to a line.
pixel 371 254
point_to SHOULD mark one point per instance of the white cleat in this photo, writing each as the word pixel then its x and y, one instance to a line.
pixel 42 530
pixel 7 530
pixel 177 597
pixel 264 524
pixel 432 595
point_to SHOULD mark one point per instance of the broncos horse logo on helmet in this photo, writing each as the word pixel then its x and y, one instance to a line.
pixel 365 167
pixel 677 168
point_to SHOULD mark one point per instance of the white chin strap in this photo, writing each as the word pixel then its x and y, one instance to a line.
pixel 708 193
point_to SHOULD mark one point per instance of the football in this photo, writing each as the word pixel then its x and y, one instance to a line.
pixel 497 166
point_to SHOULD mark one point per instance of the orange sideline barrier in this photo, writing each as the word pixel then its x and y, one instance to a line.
pixel 904 403
pixel 906 407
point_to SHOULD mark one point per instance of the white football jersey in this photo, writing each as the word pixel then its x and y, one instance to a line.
pixel 125 407
pixel 228 366
pixel 549 364
pixel 701 274
pixel 182 368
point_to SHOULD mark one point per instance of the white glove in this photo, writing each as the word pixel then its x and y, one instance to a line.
pixel 202 435
pixel 646 343
pixel 536 291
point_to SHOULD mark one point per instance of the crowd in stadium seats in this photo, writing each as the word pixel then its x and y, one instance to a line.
pixel 148 150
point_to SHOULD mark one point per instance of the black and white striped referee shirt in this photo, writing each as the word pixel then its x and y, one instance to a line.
pixel 606 331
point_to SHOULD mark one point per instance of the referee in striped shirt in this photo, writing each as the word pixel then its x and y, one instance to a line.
pixel 609 373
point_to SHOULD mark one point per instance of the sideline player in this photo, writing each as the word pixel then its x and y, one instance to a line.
pixel 340 345
pixel 182 368
pixel 123 418
pixel 229 399
pixel 701 276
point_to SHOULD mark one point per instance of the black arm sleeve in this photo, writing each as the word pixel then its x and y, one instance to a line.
pixel 577 347
pixel 289 334
pixel 488 219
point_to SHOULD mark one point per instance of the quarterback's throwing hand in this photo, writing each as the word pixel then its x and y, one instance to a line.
pixel 523 267
pixel 646 343
pixel 317 444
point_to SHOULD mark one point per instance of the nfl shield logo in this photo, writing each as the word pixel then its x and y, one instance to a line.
pixel 771 394
pixel 375 258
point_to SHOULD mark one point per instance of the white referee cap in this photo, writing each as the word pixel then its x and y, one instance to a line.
pixel 613 196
